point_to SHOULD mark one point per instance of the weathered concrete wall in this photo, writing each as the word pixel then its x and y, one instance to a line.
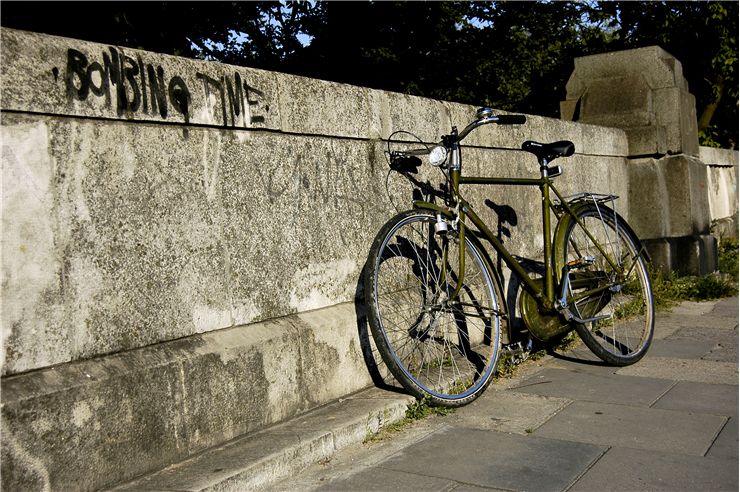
pixel 722 177
pixel 182 245
pixel 123 227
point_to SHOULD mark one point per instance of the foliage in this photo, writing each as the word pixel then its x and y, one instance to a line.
pixel 416 410
pixel 670 289
pixel 511 55
pixel 728 258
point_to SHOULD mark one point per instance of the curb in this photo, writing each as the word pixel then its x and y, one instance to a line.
pixel 265 457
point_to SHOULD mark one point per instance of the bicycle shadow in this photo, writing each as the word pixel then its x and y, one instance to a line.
pixel 379 373
pixel 578 354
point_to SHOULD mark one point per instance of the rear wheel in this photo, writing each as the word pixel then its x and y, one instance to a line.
pixel 621 298
pixel 440 348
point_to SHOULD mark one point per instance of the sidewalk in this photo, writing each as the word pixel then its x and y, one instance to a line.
pixel 669 422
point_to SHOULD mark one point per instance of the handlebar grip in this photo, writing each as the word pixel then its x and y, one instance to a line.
pixel 511 119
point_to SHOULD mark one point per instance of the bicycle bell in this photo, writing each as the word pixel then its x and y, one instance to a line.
pixel 484 113
pixel 438 156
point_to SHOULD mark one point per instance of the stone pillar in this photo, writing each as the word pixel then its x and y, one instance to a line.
pixel 644 92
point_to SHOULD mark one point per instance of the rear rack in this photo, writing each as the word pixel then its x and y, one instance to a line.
pixel 594 198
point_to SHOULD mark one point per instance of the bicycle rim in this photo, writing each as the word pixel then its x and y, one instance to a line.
pixel 442 348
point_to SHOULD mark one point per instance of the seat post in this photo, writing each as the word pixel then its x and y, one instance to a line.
pixel 546 236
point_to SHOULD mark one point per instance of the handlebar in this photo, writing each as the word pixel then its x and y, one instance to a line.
pixel 407 160
pixel 485 116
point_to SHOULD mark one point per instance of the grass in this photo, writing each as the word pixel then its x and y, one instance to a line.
pixel 416 410
pixel 728 252
pixel 670 289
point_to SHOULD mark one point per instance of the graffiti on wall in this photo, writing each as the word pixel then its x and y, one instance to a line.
pixel 132 87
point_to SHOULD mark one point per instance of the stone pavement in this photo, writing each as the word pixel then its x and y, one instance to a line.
pixel 669 422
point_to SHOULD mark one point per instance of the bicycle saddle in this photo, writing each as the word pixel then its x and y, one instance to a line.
pixel 550 151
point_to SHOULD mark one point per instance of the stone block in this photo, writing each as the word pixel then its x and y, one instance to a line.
pixel 722 191
pixel 675 111
pixel 668 197
pixel 726 228
pixel 659 68
pixel 117 239
pixel 719 157
pixel 689 255
pixel 425 118
pixel 636 90
pixel 647 141
pixel 620 102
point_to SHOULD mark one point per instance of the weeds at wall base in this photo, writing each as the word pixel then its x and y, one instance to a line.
pixel 416 410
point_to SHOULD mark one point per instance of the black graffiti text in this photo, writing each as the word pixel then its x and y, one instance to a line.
pixel 236 98
pixel 127 82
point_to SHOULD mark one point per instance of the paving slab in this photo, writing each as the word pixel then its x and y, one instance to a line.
pixel 667 325
pixel 725 351
pixel 464 487
pixel 509 411
pixel 688 396
pixel 634 427
pixel 595 387
pixel 727 308
pixel 496 459
pixel 383 480
pixel 577 361
pixel 623 469
pixel 707 330
pixel 681 348
pixel 693 308
pixel 726 444
pixel 700 371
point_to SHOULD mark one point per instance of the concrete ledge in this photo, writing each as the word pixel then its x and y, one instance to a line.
pixel 95 423
pixel 259 459
pixel 719 157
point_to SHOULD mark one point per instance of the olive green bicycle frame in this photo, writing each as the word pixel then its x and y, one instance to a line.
pixel 545 297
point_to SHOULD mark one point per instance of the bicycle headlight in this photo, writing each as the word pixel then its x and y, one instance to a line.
pixel 438 156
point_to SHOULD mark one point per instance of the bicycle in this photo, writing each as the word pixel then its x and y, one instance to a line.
pixel 435 303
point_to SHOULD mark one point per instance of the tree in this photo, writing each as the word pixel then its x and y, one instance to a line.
pixel 703 37
pixel 515 56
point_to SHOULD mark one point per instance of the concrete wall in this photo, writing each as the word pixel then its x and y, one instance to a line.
pixel 123 227
pixel 722 176
pixel 182 245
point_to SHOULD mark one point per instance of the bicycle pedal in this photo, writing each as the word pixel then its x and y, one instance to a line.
pixel 581 262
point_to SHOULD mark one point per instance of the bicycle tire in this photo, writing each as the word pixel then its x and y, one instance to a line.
pixel 625 336
pixel 439 349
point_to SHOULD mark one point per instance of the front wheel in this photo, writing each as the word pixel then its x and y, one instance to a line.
pixel 438 347
pixel 614 292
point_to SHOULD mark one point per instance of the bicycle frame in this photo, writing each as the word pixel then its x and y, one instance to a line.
pixel 545 297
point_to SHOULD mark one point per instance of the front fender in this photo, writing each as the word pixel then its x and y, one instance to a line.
pixel 434 207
